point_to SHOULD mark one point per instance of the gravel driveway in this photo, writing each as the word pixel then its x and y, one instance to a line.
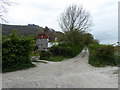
pixel 71 73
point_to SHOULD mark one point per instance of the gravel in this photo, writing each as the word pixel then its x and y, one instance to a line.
pixel 71 73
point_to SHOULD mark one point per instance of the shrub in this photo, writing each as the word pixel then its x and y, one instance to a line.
pixel 106 53
pixel 62 51
pixel 56 50
pixel 44 54
pixel 102 55
pixel 73 49
pixel 16 51
pixel 66 49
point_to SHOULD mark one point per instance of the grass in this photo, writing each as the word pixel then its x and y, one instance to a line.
pixel 35 54
pixel 55 58
pixel 39 61
pixel 20 67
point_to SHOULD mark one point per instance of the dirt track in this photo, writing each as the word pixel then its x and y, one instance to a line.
pixel 72 73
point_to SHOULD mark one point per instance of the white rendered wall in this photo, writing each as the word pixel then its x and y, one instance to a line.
pixel 42 43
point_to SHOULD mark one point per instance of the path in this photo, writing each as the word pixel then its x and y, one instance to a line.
pixel 72 73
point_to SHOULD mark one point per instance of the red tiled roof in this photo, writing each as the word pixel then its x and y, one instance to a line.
pixel 41 37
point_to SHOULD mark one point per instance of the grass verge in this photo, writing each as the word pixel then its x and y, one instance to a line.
pixel 55 58
pixel 39 61
pixel 18 67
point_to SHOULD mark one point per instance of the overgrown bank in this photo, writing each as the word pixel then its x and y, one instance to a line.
pixel 103 55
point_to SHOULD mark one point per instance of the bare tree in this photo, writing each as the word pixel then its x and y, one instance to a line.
pixel 75 17
pixel 3 9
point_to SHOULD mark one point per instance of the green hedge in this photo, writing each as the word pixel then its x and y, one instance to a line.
pixel 66 49
pixel 16 51
pixel 62 51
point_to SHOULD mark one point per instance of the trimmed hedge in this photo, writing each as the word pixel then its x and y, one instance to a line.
pixel 16 51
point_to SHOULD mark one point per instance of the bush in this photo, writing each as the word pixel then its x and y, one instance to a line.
pixel 61 51
pixel 16 51
pixel 102 55
pixel 106 54
pixel 66 49
pixel 44 54
pixel 75 49
pixel 56 50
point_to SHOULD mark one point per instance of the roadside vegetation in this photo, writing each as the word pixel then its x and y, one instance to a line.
pixel 103 55
pixel 60 52
pixel 39 61
pixel 16 52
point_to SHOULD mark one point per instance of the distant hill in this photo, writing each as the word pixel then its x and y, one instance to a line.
pixel 30 29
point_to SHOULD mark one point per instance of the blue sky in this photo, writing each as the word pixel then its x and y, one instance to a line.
pixel 104 14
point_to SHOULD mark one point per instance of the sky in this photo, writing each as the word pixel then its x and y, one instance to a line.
pixel 104 14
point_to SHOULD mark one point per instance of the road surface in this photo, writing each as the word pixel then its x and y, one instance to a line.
pixel 71 73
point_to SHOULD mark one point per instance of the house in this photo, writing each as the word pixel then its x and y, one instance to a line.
pixel 42 41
